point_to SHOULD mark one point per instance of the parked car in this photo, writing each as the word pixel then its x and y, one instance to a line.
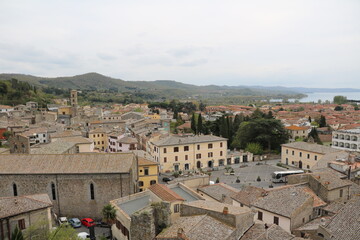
pixel 75 222
pixel 167 179
pixel 87 222
pixel 63 220
pixel 103 224
pixel 83 235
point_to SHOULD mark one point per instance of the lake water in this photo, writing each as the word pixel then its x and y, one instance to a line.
pixel 323 96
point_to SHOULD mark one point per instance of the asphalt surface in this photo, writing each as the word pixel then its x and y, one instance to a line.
pixel 248 175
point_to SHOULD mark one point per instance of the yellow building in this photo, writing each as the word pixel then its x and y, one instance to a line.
pixel 65 110
pixel 304 155
pixel 99 136
pixel 177 153
pixel 148 173
pixel 153 116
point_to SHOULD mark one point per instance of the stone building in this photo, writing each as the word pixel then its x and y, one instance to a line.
pixel 289 207
pixel 79 185
pixel 23 212
pixel 326 185
pixel 296 132
pixel 144 215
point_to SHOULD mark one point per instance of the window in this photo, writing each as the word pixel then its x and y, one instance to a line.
pixel 287 151
pixel 176 158
pixel 186 148
pixel 21 224
pixel 176 208
pixel 260 216
pixel 53 193
pixel 276 220
pixel 221 144
pixel 102 142
pixel 198 147
pixel 152 182
pixel 176 149
pixel 292 152
pixel 92 193
pixel 300 154
pixel 198 156
pixel 146 171
pixel 77 149
pixel 308 156
pixel 307 166
pixel 315 158
pixel 15 190
pixel 164 150
pixel 210 145
pixel 141 183
pixel 186 157
pixel 165 159
pixel 220 153
pixel 210 154
pixel 341 192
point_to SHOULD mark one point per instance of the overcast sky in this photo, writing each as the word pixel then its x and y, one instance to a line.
pixel 308 43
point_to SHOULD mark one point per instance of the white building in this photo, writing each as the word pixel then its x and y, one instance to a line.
pixel 346 139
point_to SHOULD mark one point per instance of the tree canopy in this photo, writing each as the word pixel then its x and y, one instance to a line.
pixel 269 133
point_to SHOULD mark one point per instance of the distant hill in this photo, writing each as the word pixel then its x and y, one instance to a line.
pixel 153 89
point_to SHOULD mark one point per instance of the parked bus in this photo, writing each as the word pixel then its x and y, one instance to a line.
pixel 281 177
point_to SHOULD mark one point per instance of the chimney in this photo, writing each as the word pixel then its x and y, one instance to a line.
pixel 223 197
pixel 226 211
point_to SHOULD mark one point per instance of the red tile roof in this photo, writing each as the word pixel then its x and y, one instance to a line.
pixel 165 193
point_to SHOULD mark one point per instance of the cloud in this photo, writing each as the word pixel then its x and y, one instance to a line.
pixel 106 57
pixel 284 42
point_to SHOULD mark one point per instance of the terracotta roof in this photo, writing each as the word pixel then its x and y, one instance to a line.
pixel 198 227
pixel 177 140
pixel 296 128
pixel 66 163
pixel 165 193
pixel 311 147
pixel 217 191
pixel 329 180
pixel 283 201
pixel 12 206
pixel 145 162
pixel 248 195
pixel 273 232
pixel 346 225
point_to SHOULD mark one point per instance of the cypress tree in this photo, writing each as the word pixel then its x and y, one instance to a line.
pixel 193 124
pixel 200 128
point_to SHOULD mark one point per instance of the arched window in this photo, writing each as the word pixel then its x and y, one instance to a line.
pixel 15 189
pixel 92 193
pixel 53 191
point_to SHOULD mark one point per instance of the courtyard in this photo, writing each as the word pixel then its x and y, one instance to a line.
pixel 248 174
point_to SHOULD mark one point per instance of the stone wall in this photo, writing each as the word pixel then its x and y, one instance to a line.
pixel 72 192
pixel 143 225
pixel 19 144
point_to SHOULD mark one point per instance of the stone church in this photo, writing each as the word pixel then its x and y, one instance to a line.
pixel 79 185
